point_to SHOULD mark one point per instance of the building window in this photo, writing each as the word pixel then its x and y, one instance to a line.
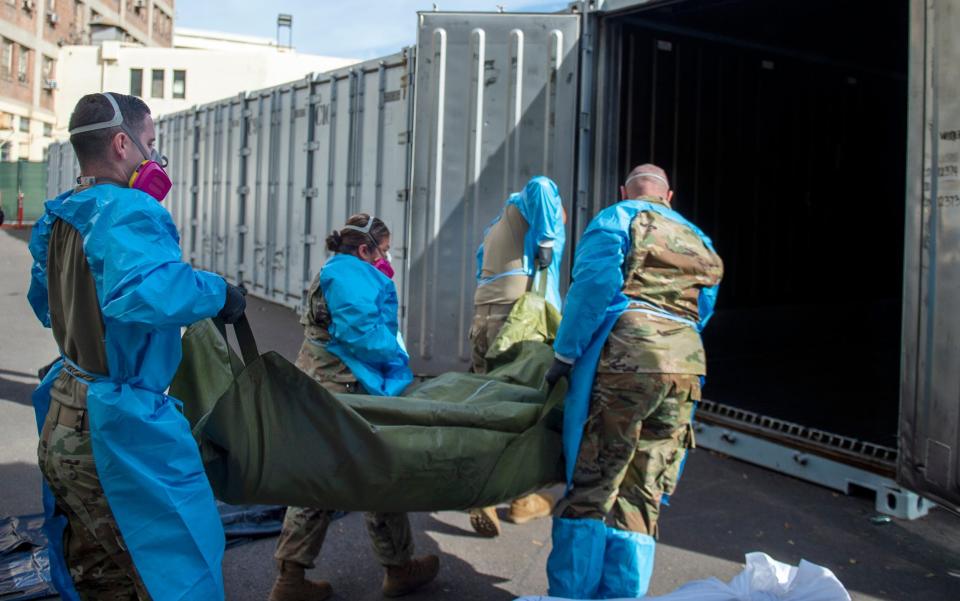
pixel 52 5
pixel 156 84
pixel 179 83
pixel 48 130
pixel 24 125
pixel 48 67
pixel 5 149
pixel 23 65
pixel 136 82
pixel 6 69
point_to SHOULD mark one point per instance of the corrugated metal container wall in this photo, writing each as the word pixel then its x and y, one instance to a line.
pixel 261 179
pixel 218 172
pixel 62 168
pixel 53 170
pixel 175 139
pixel 496 105
pixel 358 154
pixel 930 415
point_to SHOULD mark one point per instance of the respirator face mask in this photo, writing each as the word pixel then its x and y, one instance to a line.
pixel 149 176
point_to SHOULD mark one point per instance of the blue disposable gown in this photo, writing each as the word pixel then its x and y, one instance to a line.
pixel 591 560
pixel 147 460
pixel 540 205
pixel 364 332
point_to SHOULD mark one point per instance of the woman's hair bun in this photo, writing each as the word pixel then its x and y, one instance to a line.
pixel 334 240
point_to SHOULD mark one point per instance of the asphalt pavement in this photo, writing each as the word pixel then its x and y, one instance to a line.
pixel 722 510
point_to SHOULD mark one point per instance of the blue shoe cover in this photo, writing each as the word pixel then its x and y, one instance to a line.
pixel 627 564
pixel 575 564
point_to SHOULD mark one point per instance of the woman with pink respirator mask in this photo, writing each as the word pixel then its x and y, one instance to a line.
pixel 352 345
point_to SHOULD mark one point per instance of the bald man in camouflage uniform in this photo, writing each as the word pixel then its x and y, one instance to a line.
pixel 648 378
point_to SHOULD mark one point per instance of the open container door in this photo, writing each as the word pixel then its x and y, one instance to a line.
pixel 930 396
pixel 496 104
pixel 791 151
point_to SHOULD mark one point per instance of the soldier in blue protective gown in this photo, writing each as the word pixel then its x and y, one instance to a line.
pixel 130 513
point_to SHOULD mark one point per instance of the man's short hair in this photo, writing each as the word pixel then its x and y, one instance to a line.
pixel 96 108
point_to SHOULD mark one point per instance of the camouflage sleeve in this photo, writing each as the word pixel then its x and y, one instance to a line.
pixel 313 315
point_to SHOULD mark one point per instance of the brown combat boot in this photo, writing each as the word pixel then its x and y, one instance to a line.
pixel 530 507
pixel 485 521
pixel 292 585
pixel 400 580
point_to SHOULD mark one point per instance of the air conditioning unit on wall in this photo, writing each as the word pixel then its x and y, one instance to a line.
pixel 53 17
pixel 49 84
pixel 29 4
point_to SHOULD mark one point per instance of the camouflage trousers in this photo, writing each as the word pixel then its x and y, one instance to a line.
pixel 487 322
pixel 99 564
pixel 304 530
pixel 636 436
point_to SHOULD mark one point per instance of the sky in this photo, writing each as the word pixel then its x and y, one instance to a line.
pixel 361 29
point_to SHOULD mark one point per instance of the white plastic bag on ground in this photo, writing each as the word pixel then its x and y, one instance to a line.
pixel 763 579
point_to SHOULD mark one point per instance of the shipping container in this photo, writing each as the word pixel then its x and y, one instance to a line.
pixel 262 178
pixel 807 139
pixel 818 143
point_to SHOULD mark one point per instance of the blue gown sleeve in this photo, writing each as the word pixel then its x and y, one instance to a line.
pixel 144 280
pixel 357 322
pixel 37 295
pixel 541 206
pixel 597 280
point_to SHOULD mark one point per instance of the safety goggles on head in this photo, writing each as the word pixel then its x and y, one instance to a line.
pixel 149 176
pixel 663 180
pixel 365 230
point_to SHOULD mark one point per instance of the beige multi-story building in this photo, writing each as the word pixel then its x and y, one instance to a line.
pixel 202 66
pixel 32 33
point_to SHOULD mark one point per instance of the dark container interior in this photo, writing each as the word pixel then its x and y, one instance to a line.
pixel 783 128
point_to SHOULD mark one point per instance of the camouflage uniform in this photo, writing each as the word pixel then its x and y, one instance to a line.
pixel 503 249
pixel 98 560
pixel 488 320
pixel 648 379
pixel 304 528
